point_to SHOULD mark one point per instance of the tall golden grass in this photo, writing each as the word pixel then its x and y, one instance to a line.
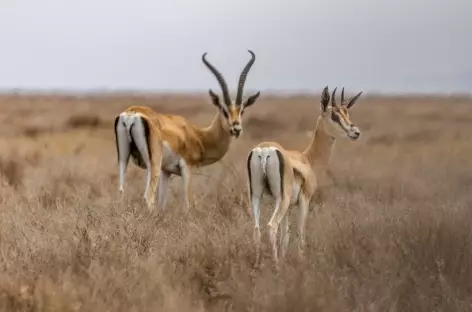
pixel 390 232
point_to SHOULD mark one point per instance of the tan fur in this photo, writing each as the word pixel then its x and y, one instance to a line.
pixel 196 146
pixel 304 167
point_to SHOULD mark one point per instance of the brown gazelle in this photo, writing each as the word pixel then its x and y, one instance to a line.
pixel 289 176
pixel 168 145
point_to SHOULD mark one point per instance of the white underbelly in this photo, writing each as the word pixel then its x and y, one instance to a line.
pixel 171 161
pixel 295 193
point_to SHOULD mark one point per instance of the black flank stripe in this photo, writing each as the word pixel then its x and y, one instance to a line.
pixel 282 171
pixel 116 138
pixel 249 172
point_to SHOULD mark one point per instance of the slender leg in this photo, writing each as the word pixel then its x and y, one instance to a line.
pixel 148 181
pixel 302 214
pixel 273 227
pixel 256 189
pixel 281 207
pixel 163 190
pixel 280 182
pixel 154 183
pixel 123 149
pixel 256 210
pixel 153 161
pixel 284 235
pixel 186 173
pixel 123 167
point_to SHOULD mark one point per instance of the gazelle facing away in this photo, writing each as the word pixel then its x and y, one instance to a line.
pixel 289 176
pixel 169 144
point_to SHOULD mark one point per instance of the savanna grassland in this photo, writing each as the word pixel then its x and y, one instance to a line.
pixel 390 231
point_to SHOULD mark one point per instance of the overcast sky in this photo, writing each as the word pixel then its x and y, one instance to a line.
pixel 373 45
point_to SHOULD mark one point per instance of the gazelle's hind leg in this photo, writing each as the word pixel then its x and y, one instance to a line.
pixel 140 132
pixel 275 175
pixel 256 189
pixel 122 149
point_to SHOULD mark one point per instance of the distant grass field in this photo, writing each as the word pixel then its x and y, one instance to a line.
pixel 391 231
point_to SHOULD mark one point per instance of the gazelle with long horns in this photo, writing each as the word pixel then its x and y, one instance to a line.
pixel 290 176
pixel 167 145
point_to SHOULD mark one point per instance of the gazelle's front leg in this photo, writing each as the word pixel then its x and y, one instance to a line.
pixel 284 238
pixel 303 202
pixel 155 177
pixel 186 173
pixel 163 190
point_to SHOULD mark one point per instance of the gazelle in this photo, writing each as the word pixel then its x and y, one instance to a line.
pixel 167 145
pixel 289 176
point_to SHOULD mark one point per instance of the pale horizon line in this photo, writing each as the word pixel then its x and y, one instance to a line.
pixel 107 91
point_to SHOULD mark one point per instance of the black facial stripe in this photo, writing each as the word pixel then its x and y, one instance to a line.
pixel 335 117
pixel 225 113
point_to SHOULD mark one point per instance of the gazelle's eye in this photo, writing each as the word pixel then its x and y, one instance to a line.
pixel 225 113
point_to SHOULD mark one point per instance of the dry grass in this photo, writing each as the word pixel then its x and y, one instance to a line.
pixel 392 233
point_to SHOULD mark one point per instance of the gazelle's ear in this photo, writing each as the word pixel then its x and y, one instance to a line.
pixel 251 100
pixel 353 101
pixel 325 99
pixel 215 99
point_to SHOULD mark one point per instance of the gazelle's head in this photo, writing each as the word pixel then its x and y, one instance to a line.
pixel 232 111
pixel 335 117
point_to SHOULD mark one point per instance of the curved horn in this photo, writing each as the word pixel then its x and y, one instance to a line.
pixel 333 97
pixel 342 96
pixel 219 77
pixel 242 78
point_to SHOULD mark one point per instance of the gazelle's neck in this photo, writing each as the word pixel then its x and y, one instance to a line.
pixel 320 149
pixel 216 141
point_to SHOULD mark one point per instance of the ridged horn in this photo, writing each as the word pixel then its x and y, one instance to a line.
pixel 242 78
pixel 219 77
pixel 333 97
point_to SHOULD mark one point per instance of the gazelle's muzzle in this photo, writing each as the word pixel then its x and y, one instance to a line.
pixel 353 133
pixel 235 129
